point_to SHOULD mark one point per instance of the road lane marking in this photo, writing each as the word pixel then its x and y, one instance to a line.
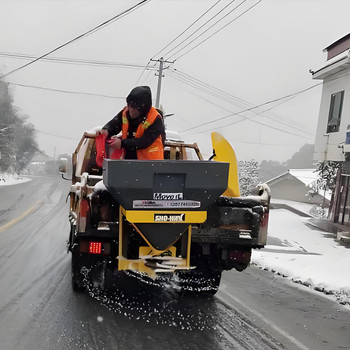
pixel 21 217
pixel 272 325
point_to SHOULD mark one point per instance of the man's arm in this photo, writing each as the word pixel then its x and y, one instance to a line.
pixel 114 126
pixel 149 136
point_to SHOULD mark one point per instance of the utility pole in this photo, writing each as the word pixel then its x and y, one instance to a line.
pixel 160 76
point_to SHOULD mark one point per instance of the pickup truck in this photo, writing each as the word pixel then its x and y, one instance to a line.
pixel 181 218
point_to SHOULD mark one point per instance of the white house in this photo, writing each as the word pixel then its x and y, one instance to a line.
pixel 296 185
pixel 334 117
pixel 333 131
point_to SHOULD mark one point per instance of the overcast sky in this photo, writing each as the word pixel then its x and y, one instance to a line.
pixel 259 51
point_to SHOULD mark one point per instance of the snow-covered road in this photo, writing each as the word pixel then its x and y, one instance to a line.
pixel 253 310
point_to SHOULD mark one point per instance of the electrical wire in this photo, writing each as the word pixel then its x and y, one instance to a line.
pixel 251 7
pixel 255 107
pixel 242 102
pixel 256 122
pixel 190 26
pixel 244 118
pixel 204 24
pixel 267 103
pixel 55 135
pixel 120 15
pixel 76 61
pixel 66 91
pixel 146 68
pixel 206 30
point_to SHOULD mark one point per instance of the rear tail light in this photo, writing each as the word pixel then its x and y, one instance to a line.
pixel 95 247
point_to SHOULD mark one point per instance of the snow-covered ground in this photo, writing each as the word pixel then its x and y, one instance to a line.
pixel 305 254
pixel 10 179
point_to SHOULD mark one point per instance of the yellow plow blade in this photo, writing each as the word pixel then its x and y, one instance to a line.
pixel 224 153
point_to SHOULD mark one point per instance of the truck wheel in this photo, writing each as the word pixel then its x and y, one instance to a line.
pixel 200 283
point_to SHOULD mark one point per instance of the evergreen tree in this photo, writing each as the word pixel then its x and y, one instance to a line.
pixel 248 176
pixel 327 172
pixel 8 148
pixel 17 138
pixel 25 142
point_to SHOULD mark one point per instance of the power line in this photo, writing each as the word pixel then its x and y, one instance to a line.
pixel 66 91
pixel 257 122
pixel 79 37
pixel 255 107
pixel 201 34
pixel 266 103
pixel 205 23
pixel 244 118
pixel 213 91
pixel 190 26
pixel 218 30
pixel 143 72
pixel 55 135
pixel 209 90
pixel 73 60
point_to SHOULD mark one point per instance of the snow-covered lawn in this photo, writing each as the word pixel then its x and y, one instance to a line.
pixel 305 255
pixel 11 179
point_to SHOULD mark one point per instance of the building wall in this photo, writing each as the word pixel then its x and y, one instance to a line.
pixel 289 188
pixel 327 144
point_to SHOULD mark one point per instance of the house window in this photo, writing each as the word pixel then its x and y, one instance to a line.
pixel 335 111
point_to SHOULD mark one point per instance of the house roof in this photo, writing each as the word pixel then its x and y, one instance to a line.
pixel 306 176
pixel 334 65
pixel 338 46
pixel 338 58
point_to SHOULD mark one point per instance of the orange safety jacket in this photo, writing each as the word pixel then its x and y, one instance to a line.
pixel 153 151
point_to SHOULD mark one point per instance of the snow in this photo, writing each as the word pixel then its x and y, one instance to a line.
pixel 100 186
pixel 11 179
pixel 301 206
pixel 306 176
pixel 305 254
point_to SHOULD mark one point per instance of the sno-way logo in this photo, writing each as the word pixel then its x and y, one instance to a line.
pixel 169 217
pixel 168 196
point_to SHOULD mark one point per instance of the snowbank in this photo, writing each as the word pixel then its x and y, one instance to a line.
pixel 305 255
pixel 12 179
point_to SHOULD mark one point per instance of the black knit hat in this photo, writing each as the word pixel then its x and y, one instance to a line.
pixel 141 98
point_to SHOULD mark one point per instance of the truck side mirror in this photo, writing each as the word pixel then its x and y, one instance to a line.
pixel 63 167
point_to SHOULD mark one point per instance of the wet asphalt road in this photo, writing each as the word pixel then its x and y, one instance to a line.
pixel 39 310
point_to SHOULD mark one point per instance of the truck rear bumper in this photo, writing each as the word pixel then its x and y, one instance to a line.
pixel 226 237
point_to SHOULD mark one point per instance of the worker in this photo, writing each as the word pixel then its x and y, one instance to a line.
pixel 141 126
